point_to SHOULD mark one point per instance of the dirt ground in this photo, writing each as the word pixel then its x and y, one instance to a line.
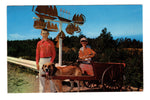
pixel 66 87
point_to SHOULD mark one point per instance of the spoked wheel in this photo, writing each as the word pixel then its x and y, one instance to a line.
pixel 112 79
pixel 92 83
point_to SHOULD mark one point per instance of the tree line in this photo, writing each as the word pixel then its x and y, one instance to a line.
pixel 107 50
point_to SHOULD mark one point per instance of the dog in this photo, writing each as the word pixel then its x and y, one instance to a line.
pixel 51 70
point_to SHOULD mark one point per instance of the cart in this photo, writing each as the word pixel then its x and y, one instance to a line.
pixel 108 76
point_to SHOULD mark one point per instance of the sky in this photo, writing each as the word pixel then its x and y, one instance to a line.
pixel 120 20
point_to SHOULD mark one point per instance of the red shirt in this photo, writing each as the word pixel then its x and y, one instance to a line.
pixel 45 48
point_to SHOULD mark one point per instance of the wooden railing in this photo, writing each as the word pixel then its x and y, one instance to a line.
pixel 23 62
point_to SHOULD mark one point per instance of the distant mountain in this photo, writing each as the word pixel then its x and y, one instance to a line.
pixel 138 37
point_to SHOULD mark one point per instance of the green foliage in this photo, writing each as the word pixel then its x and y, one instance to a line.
pixel 134 69
pixel 70 56
pixel 22 48
pixel 107 50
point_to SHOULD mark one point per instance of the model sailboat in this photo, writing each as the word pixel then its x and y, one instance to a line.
pixel 39 24
pixel 79 19
pixel 46 12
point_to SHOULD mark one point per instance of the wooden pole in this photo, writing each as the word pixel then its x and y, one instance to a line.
pixel 60 45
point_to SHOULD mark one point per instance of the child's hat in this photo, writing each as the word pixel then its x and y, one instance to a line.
pixel 83 39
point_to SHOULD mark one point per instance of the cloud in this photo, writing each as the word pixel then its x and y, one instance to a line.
pixel 33 34
pixel 16 36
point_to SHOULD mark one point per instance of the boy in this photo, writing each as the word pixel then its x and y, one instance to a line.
pixel 85 54
pixel 45 54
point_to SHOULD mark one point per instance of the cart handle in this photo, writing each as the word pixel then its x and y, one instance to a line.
pixel 80 60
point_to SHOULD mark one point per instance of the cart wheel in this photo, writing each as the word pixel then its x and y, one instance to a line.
pixel 91 84
pixel 112 79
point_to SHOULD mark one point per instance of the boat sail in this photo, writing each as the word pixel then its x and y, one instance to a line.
pixel 51 27
pixel 55 11
pixel 46 12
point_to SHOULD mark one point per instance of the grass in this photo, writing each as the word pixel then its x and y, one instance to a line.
pixel 21 79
